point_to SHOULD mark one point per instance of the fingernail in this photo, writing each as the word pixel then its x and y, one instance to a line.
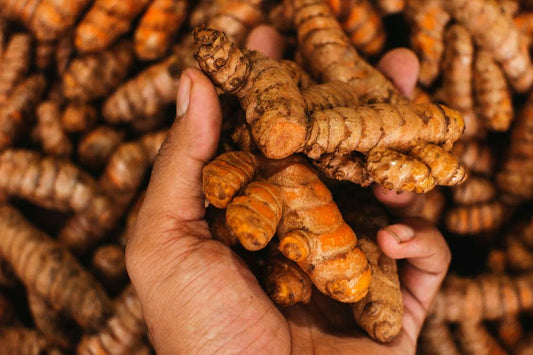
pixel 400 232
pixel 184 93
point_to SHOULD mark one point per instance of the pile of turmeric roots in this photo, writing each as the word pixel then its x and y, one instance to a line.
pixel 88 92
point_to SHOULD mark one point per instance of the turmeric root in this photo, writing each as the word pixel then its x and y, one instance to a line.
pixel 380 312
pixel 95 75
pixel 236 17
pixel 428 19
pixel 457 68
pixel 389 7
pixel 50 131
pixel 105 22
pixel 96 147
pixel 122 333
pixel 21 341
pixel 218 227
pixel 345 167
pixel 329 55
pixel 47 182
pixel 476 189
pixel 15 63
pixel 487 297
pixel 285 282
pixel 78 117
pixel 227 175
pixel 120 180
pixel 254 215
pixel 493 98
pixel 437 339
pixel 361 21
pixel 495 32
pixel 50 271
pixel 108 262
pixel 44 54
pixel 13 114
pixel 55 327
pixel 475 339
pixel 159 24
pixel 327 96
pixel 143 97
pixel 474 219
pixel 276 117
pixel 313 233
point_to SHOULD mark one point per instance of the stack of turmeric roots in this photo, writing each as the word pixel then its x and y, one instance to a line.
pixel 87 93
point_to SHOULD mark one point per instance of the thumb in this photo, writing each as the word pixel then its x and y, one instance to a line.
pixel 175 187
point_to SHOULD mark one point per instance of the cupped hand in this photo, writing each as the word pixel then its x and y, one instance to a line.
pixel 199 297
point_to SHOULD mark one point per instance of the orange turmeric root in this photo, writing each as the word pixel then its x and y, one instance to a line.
pixel 123 331
pixel 14 113
pixel 388 7
pixel 510 331
pixel 329 55
pixel 476 156
pixel 96 147
pixel 15 63
pixel 110 67
pixel 105 22
pixel 495 32
pixel 143 97
pixel 345 167
pixel 487 297
pixel 120 180
pixel 236 17
pixel 47 269
pixel 477 218
pixel 493 97
pixel 53 138
pixel 78 117
pixel 219 228
pixel 361 21
pixel 285 282
pixel 158 26
pixel 23 341
pixel 313 233
pixel 476 189
pixel 428 19
pixel 475 339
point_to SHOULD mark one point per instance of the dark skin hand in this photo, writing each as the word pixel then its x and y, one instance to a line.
pixel 199 297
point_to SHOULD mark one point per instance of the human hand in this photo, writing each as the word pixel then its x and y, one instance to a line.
pixel 198 296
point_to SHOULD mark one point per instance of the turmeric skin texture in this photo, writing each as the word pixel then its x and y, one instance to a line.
pixel 109 66
pixel 53 138
pixel 474 339
pixel 474 219
pixel 78 117
pixel 47 269
pixel 362 23
pixel 122 333
pixel 23 341
pixel 276 116
pixel 15 63
pixel 437 339
pixel 157 27
pixel 96 147
pixel 428 19
pixel 105 22
pixel 495 32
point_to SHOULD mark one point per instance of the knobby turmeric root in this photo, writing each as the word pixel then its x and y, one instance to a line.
pixel 96 146
pixel 23 341
pixel 436 338
pixel 158 26
pixel 47 269
pixel 123 332
pixel 105 21
pixel 52 137
pixel 476 339
pixel 15 63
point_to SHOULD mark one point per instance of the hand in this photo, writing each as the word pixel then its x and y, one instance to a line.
pixel 199 297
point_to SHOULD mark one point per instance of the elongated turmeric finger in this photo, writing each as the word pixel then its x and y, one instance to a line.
pixel 475 339
pixel 437 339
pixel 227 175
pixel 50 131
pixel 444 166
pixel 493 97
pixel 78 117
pixel 328 95
pixel 105 21
pixel 15 63
pixel 475 155
pixel 345 167
pixel 24 341
pixel 123 331
pixel 476 189
pixel 428 19
pixel 474 219
pixel 236 18
pixel 47 269
pixel 13 114
pixel 158 26
pixel 108 262
pixel 388 7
